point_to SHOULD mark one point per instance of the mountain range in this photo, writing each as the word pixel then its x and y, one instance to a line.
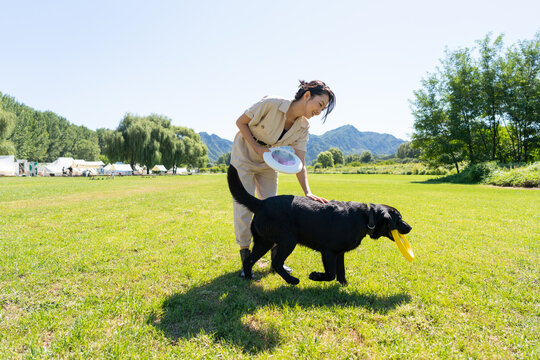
pixel 346 138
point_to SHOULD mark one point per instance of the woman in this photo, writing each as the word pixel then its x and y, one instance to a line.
pixel 272 122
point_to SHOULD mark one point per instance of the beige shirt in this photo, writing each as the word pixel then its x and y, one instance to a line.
pixel 267 123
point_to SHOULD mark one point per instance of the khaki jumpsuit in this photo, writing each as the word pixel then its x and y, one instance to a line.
pixel 267 124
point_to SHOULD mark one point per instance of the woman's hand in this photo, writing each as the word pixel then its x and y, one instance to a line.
pixel 260 150
pixel 317 198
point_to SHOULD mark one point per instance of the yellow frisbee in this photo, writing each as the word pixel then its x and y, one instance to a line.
pixel 403 245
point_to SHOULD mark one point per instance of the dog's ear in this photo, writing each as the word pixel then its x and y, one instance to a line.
pixel 389 220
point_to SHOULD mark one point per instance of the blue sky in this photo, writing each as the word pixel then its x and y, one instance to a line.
pixel 202 63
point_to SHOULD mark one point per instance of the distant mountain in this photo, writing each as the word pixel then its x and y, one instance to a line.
pixel 216 145
pixel 346 138
pixel 351 141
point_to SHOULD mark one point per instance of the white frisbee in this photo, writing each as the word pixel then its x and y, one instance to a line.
pixel 283 160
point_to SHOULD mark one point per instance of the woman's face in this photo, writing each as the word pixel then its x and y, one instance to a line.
pixel 314 105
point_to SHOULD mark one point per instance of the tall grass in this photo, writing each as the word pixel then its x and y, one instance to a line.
pixel 147 268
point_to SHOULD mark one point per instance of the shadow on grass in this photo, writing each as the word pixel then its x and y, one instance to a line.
pixel 218 307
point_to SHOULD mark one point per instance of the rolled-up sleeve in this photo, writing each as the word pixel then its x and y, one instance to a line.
pixel 257 111
pixel 301 142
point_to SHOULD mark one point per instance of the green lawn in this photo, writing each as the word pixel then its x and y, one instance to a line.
pixel 148 268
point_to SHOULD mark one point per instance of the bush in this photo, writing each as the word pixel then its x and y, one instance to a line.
pixel 523 177
pixel 479 172
pixel 497 174
pixel 221 168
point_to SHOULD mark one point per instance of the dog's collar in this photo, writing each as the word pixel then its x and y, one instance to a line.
pixel 371 224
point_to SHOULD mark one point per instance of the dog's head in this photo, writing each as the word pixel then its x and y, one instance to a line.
pixel 386 219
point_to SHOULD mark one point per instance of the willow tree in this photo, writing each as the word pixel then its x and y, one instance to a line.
pixel 152 140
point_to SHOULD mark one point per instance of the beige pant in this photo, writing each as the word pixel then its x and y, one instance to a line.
pixel 265 180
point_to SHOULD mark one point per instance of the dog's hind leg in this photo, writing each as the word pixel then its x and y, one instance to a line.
pixel 284 248
pixel 329 262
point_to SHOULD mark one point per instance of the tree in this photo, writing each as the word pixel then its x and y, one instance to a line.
pixel 30 137
pixel 224 159
pixel 521 98
pixel 102 136
pixel 152 140
pixel 86 149
pixel 462 96
pixel 195 152
pixel 366 156
pixel 326 159
pixel 491 86
pixel 7 124
pixel 462 110
pixel 432 127
pixel 337 155
pixel 45 136
pixel 405 150
pixel 352 158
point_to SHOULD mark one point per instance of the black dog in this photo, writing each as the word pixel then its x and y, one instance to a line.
pixel 332 229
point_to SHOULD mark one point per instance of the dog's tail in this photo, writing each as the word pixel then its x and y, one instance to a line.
pixel 239 192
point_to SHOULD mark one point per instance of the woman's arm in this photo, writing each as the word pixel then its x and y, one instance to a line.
pixel 303 180
pixel 242 124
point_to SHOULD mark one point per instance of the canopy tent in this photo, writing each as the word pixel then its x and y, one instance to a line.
pixel 8 166
pixel 159 168
pixel 119 169
pixel 58 167
pixel 178 170
pixel 83 167
pixel 83 164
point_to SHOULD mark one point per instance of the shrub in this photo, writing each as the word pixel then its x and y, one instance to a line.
pixel 523 177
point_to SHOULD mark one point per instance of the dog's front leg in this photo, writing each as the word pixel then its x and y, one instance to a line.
pixel 340 269
pixel 259 249
pixel 284 248
pixel 329 262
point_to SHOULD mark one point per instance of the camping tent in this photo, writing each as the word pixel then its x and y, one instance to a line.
pixel 178 171
pixel 159 168
pixel 56 168
pixel 139 170
pixel 81 167
pixel 120 169
pixel 8 166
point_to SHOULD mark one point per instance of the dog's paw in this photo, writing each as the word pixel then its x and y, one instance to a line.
pixel 343 282
pixel 315 276
pixel 293 281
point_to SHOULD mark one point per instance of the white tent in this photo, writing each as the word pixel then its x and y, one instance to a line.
pixel 120 169
pixel 8 166
pixel 139 170
pixel 83 164
pixel 82 167
pixel 56 168
pixel 159 168
pixel 178 171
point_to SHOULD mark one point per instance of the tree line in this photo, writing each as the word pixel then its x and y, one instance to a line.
pixel 46 136
pixel 481 104
pixel 42 136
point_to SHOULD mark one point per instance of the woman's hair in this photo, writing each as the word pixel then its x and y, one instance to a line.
pixel 317 87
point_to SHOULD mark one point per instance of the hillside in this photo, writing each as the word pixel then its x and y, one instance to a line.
pixel 216 145
pixel 346 138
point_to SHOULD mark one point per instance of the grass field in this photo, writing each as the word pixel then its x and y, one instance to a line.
pixel 148 268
